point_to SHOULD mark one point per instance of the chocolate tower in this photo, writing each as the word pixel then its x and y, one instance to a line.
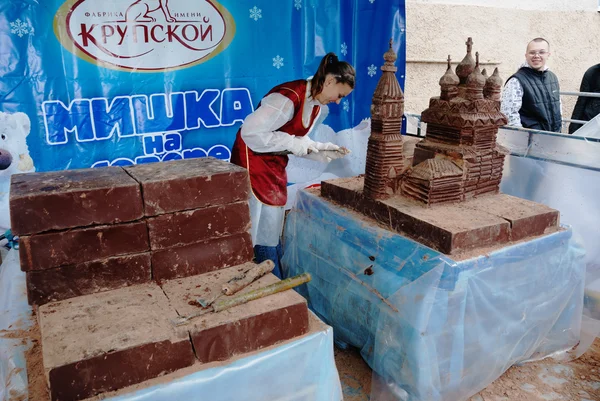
pixel 385 162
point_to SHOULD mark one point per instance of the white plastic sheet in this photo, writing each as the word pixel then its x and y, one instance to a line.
pixel 15 315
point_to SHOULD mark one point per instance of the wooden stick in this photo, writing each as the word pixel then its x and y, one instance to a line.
pixel 243 280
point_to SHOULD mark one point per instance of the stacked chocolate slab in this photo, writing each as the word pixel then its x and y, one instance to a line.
pixel 91 230
pixel 81 231
pixel 106 341
pixel 197 214
pixel 114 255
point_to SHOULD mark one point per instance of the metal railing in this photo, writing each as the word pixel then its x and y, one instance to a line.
pixel 584 94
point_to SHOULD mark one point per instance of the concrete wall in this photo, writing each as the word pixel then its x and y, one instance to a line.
pixel 540 5
pixel 500 34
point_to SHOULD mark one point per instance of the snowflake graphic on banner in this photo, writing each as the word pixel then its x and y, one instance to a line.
pixel 21 28
pixel 344 49
pixel 298 4
pixel 278 61
pixel 372 70
pixel 346 105
pixel 255 13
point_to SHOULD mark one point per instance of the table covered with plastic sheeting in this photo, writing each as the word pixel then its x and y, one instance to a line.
pixel 563 172
pixel 433 328
pixel 302 369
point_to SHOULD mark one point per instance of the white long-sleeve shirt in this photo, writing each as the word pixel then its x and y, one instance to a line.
pixel 260 129
pixel 512 99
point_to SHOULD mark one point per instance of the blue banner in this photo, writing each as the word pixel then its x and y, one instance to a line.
pixel 120 82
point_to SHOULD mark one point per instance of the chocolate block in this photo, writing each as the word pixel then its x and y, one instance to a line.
pixel 244 328
pixel 190 184
pixel 107 341
pixel 73 198
pixel 447 228
pixel 185 228
pixel 48 250
pixel 526 218
pixel 64 282
pixel 201 257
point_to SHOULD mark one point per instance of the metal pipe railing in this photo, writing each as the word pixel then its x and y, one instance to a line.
pixel 584 94
pixel 529 131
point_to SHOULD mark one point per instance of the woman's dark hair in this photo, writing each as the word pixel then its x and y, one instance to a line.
pixel 342 71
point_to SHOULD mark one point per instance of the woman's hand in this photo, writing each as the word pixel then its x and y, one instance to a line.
pixel 327 156
pixel 302 145
pixel 326 146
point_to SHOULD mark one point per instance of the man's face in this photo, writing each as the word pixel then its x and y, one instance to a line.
pixel 537 54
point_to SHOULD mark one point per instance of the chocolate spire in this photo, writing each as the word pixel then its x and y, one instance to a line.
pixel 475 82
pixel 390 58
pixel 449 82
pixel 388 86
pixel 467 65
pixel 493 86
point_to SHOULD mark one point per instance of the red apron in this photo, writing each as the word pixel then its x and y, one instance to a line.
pixel 268 177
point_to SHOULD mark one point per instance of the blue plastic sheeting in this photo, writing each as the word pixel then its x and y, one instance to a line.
pixel 431 327
pixel 559 171
pixel 300 370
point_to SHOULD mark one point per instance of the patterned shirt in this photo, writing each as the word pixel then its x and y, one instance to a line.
pixel 512 100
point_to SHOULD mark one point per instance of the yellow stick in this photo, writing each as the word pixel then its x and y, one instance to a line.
pixel 226 303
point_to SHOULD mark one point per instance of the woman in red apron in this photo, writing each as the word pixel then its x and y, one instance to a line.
pixel 280 126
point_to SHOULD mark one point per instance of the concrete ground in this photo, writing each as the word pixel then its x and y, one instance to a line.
pixel 547 380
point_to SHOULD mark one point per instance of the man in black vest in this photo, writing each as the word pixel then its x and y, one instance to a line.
pixel 531 97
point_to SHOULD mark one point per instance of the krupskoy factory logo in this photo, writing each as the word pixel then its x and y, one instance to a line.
pixel 144 35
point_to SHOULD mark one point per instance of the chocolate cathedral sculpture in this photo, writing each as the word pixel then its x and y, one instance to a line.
pixel 459 158
pixel 449 197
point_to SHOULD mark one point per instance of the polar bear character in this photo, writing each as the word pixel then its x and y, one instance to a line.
pixel 14 157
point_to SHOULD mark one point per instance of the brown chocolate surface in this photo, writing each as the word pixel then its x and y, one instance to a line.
pixel 185 228
pixel 53 249
pixel 315 326
pixel 73 198
pixel 190 184
pixel 118 369
pixel 447 228
pixel 252 333
pixel 201 257
pixel 106 341
pixel 244 328
pixel 526 218
pixel 64 282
